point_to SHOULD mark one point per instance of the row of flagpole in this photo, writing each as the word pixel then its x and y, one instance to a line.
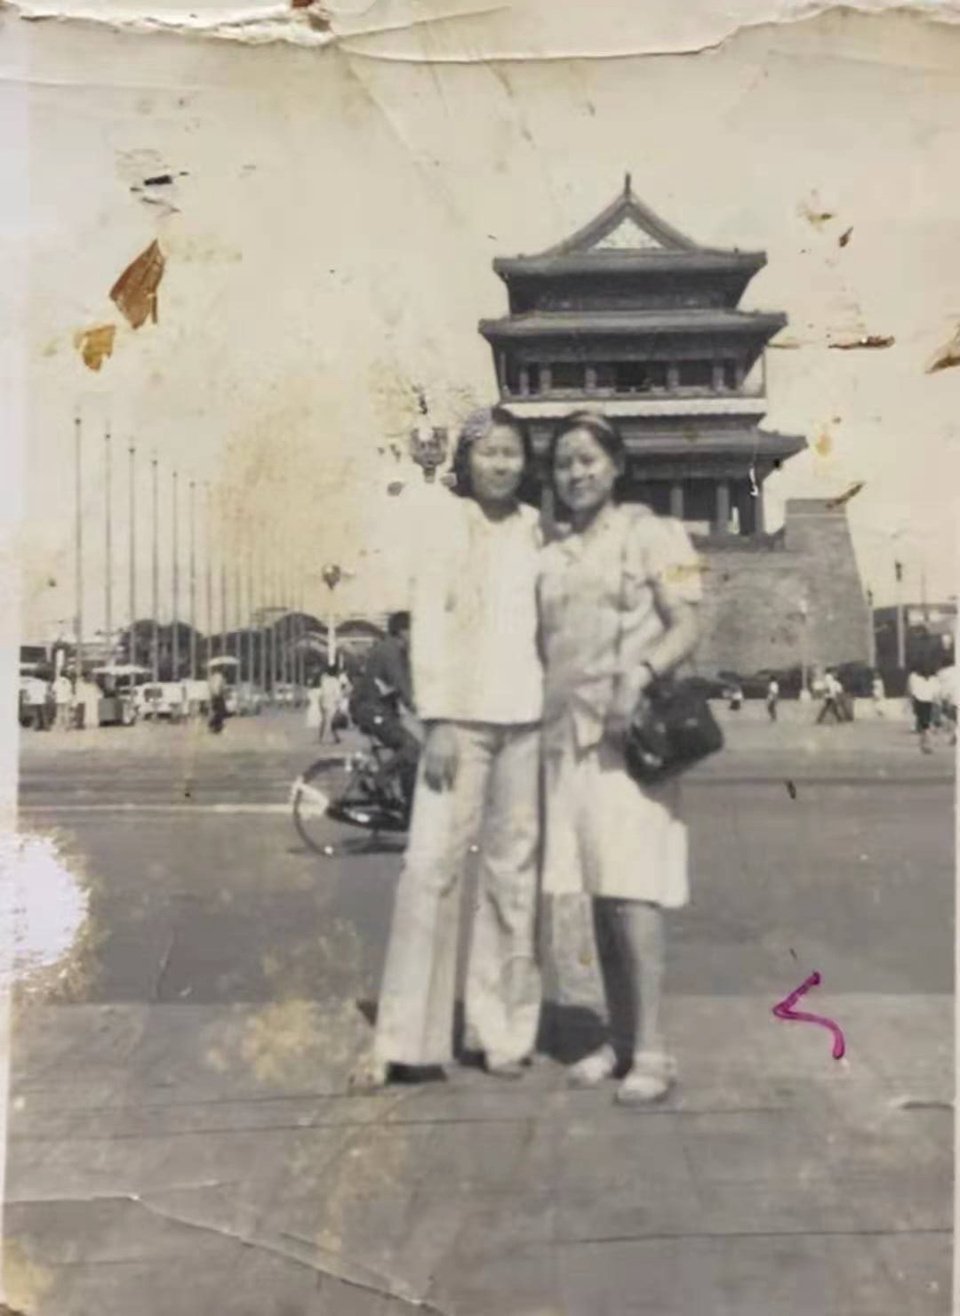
pixel 269 645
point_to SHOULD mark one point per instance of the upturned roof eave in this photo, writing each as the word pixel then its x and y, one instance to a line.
pixel 763 444
pixel 569 324
pixel 587 264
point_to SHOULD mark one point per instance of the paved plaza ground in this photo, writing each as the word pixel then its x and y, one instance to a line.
pixel 182 1134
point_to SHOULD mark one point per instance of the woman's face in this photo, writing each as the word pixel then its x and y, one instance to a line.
pixel 496 465
pixel 584 472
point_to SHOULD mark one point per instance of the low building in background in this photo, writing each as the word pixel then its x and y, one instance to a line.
pixel 929 631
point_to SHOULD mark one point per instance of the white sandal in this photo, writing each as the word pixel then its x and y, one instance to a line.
pixel 651 1077
pixel 368 1075
pixel 593 1069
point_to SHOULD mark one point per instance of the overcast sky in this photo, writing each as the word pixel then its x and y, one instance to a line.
pixel 336 218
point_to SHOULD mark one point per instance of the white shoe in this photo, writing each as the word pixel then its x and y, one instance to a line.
pixel 651 1077
pixel 594 1068
pixel 369 1074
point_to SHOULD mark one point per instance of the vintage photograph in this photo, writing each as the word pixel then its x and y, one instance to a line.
pixel 484 487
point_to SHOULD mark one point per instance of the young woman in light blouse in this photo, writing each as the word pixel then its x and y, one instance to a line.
pixel 617 599
pixel 478 688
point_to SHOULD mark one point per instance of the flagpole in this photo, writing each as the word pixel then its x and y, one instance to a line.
pixel 193 581
pixel 274 637
pixel 301 637
pixel 223 604
pixel 238 609
pixel 284 623
pixel 250 611
pixel 132 564
pixel 78 545
pixel 175 588
pixel 208 570
pixel 155 571
pixel 108 543
pixel 262 638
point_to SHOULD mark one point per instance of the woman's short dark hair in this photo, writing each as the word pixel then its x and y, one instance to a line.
pixel 479 423
pixel 397 623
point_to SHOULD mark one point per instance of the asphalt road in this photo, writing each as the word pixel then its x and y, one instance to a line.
pixel 829 850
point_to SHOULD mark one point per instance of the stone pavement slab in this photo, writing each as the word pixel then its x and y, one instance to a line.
pixel 169 1158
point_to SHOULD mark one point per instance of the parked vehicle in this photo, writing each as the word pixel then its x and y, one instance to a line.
pixel 196 695
pixel 756 684
pixel 118 684
pixel 709 687
pixel 161 701
pixel 856 679
pixel 36 706
pixel 249 700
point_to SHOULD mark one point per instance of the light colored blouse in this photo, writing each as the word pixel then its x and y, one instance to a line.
pixel 598 613
pixel 473 648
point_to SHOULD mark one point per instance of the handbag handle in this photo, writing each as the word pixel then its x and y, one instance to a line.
pixel 618 673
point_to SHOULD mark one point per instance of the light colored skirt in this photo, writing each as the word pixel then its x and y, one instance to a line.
pixel 608 836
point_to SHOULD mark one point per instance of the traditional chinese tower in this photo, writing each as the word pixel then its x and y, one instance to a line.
pixel 630 317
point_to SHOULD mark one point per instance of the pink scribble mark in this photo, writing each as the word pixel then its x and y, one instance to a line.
pixel 784 1010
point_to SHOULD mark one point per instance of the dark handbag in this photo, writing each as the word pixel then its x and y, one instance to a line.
pixel 673 726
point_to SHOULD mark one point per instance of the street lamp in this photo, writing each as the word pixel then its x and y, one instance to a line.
pixel 804 609
pixel 331 575
pixel 871 632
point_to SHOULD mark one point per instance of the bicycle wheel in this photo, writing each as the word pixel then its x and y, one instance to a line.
pixel 312 796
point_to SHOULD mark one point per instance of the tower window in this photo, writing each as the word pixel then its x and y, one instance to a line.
pixel 639 376
pixel 567 375
pixel 696 374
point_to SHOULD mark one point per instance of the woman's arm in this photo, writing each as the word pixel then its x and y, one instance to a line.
pixel 681 633
pixel 679 639
pixel 433 659
pixel 674 575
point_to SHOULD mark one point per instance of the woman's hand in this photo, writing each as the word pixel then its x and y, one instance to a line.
pixel 628 704
pixel 441 756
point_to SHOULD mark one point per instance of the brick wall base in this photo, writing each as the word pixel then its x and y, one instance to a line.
pixel 755 591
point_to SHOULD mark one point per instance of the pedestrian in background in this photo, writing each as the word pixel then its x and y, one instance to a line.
pixel 772 698
pixel 478 687
pixel 330 697
pixel 313 718
pixel 217 686
pixel 832 694
pixel 63 697
pixel 923 690
pixel 617 599
pixel 947 685
pixel 878 694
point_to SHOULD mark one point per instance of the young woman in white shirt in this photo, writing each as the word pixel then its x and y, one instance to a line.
pixel 477 684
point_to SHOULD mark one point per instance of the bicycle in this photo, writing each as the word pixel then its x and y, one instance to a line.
pixel 362 790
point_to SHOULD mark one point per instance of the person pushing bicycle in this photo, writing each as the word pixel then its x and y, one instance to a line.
pixel 382 702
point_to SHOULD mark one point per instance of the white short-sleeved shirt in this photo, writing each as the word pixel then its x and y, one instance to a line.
pixel 598 613
pixel 925 689
pixel 474 618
